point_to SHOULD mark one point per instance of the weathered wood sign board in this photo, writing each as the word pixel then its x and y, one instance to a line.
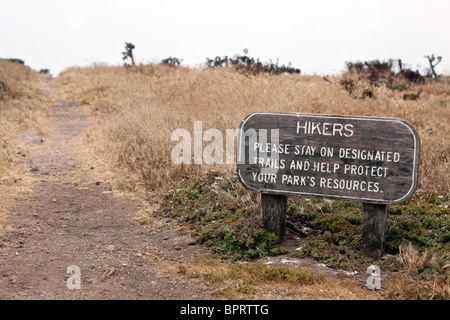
pixel 351 158
pixel 372 160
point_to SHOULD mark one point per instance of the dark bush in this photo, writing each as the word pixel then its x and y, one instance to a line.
pixel 412 76
pixel 248 65
pixel 172 61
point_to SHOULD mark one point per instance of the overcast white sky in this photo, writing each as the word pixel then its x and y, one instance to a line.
pixel 317 36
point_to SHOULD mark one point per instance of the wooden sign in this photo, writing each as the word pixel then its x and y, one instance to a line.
pixel 365 159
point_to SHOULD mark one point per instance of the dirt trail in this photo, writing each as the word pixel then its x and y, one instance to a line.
pixel 64 214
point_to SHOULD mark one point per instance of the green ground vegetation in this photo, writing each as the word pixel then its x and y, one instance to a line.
pixel 232 228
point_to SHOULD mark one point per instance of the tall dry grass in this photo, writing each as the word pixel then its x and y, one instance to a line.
pixel 22 94
pixel 140 107
pixel 423 275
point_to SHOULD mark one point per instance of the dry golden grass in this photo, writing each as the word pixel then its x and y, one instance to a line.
pixel 140 107
pixel 21 95
pixel 410 258
pixel 430 284
pixel 22 98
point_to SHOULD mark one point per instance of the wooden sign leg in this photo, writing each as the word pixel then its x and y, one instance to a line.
pixel 273 213
pixel 374 226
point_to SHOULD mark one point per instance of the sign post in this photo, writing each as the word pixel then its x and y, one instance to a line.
pixel 372 160
pixel 273 213
pixel 374 226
